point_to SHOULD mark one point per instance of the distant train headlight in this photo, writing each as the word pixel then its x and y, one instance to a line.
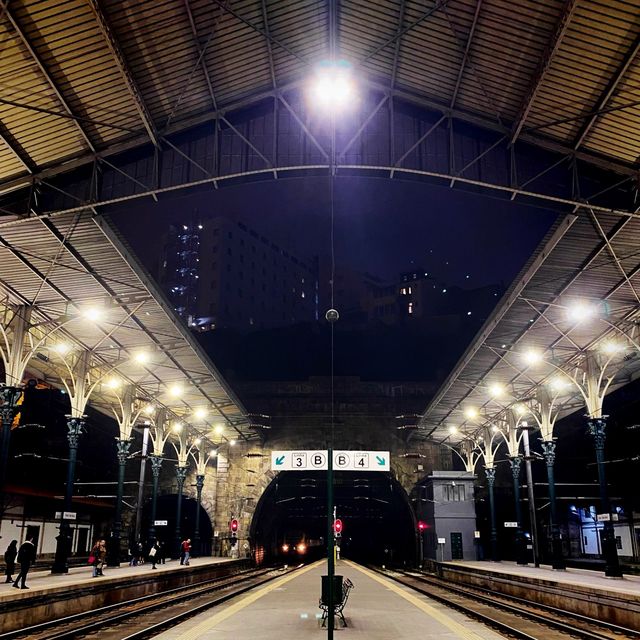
pixel 285 548
pixel 301 548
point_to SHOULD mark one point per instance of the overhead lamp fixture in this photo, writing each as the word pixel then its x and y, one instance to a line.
pixel 63 348
pixel 610 347
pixel 232 443
pixel 470 413
pixel 149 409
pixel 496 390
pixel 580 312
pixel 332 87
pixel 141 357
pixel 521 409
pixel 94 314
pixel 200 413
pixel 114 383
pixel 558 384
pixel 453 429
pixel 197 442
pixel 175 390
pixel 218 429
pixel 531 357
pixel 213 453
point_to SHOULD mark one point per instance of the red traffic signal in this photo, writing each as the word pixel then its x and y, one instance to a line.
pixel 421 526
pixel 233 525
pixel 337 525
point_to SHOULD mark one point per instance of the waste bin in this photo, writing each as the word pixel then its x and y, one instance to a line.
pixel 337 590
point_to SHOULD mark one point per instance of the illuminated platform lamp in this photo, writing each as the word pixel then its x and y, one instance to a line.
pixel 333 87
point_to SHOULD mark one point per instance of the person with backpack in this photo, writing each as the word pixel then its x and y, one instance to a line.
pixel 26 557
pixel 154 554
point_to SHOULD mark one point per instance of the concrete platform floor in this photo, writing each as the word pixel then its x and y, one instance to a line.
pixel 287 609
pixel 41 581
pixel 582 577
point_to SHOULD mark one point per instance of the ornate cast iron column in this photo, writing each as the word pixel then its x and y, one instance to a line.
pixel 196 534
pixel 9 397
pixel 75 427
pixel 557 559
pixel 491 479
pixel 521 546
pixel 181 474
pixel 122 447
pixel 596 430
pixel 156 465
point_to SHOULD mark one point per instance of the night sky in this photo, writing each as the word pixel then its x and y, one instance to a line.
pixel 381 226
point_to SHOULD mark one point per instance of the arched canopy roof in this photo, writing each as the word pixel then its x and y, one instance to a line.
pixel 83 77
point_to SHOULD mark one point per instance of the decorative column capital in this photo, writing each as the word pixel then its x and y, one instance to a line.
pixel 549 451
pixel 181 474
pixel 75 428
pixel 122 447
pixel 597 430
pixel 199 482
pixel 491 475
pixel 156 464
pixel 9 396
pixel 515 461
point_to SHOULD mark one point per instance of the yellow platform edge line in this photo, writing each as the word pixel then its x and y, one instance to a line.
pixel 457 628
pixel 206 625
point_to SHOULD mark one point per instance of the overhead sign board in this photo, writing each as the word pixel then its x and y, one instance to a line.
pixel 442 541
pixel 160 523
pixel 66 515
pixel 511 525
pixel 319 460
pixel 603 517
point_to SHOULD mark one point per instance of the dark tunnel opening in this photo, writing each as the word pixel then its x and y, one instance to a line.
pixel 378 521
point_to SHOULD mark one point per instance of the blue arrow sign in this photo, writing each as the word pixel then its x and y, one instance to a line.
pixel 279 460
pixel 381 461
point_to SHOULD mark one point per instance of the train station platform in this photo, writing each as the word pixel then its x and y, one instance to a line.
pixel 287 609
pixel 582 591
pixel 51 596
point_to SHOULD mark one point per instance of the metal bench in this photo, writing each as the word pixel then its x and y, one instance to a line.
pixel 339 604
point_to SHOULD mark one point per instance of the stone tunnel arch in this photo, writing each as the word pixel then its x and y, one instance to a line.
pixel 379 521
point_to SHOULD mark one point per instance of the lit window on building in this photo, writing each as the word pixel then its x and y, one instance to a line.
pixel 411 307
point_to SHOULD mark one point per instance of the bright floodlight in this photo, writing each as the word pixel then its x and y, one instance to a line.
pixel 532 357
pixel 213 453
pixel 175 390
pixel 114 383
pixel 218 429
pixel 558 385
pixel 470 413
pixel 197 442
pixel 496 390
pixel 453 429
pixel 200 413
pixel 149 409
pixel 333 88
pixel 610 347
pixel 62 348
pixel 580 311
pixel 93 313
pixel 177 427
pixel 142 357
pixel 232 443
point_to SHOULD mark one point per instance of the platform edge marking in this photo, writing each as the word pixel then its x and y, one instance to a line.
pixel 440 617
pixel 207 625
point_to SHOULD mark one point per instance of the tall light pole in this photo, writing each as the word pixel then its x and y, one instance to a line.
pixel 201 457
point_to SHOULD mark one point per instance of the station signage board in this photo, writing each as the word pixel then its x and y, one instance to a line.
pixel 312 460
pixel 66 515
pixel 511 525
pixel 160 523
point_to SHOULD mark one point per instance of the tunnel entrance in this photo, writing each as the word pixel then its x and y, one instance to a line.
pixel 378 521
pixel 166 510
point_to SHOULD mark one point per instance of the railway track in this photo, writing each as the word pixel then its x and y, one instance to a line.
pixel 146 616
pixel 515 617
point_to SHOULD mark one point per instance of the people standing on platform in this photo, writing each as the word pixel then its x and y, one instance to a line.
pixel 26 557
pixel 161 555
pixel 140 552
pixel 154 554
pixel 185 551
pixel 10 560
pixel 99 553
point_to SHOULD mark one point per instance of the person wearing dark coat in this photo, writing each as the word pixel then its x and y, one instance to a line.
pixel 10 560
pixel 26 557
